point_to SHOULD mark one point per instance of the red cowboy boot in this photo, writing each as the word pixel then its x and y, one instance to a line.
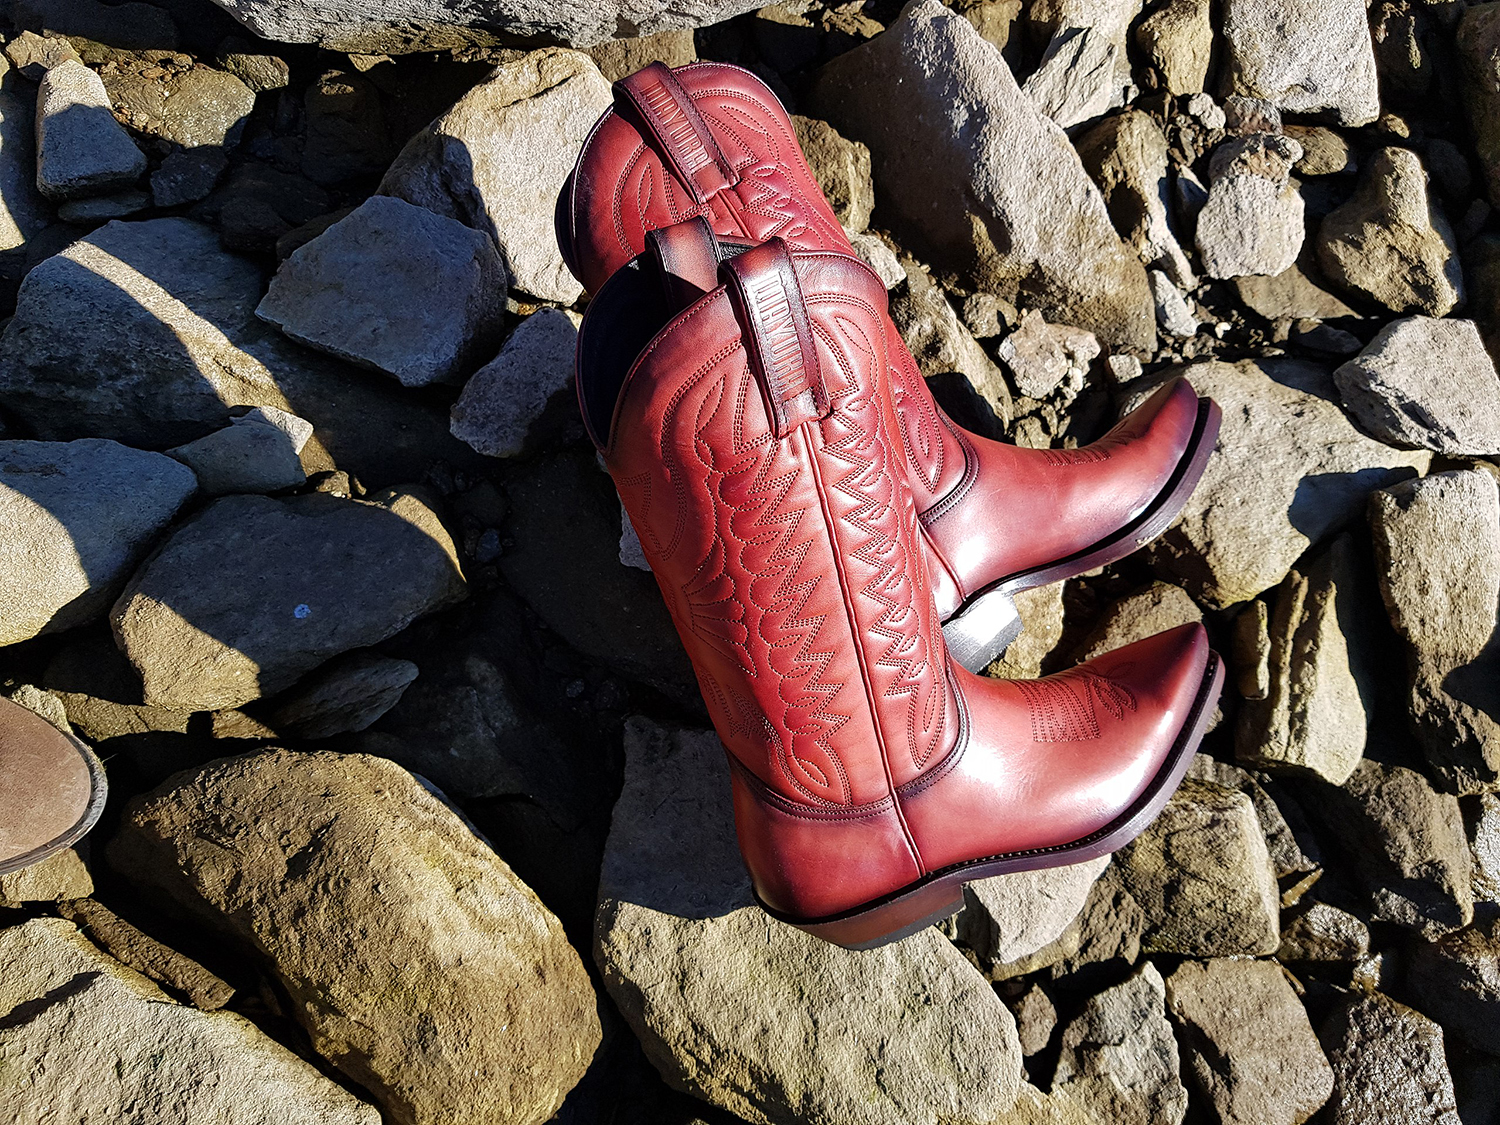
pixel 52 788
pixel 711 140
pixel 753 437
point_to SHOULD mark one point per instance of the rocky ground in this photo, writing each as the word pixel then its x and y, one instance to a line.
pixel 414 817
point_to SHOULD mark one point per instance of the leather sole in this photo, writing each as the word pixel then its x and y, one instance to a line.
pixel 983 627
pixel 940 894
pixel 98 793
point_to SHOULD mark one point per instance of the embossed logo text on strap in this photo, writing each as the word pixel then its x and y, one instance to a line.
pixel 680 132
pixel 763 285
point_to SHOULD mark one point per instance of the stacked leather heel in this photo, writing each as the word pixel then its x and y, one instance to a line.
pixel 836 554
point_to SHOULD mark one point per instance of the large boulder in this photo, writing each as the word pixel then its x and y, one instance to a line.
pixel 1203 876
pixel 1119 1059
pixel 1391 243
pixel 1479 58
pixel 418 963
pixel 1304 56
pixel 86 1039
pixel 397 26
pixel 1437 558
pixel 760 1018
pixel 497 160
pixel 363 291
pixel 1007 917
pixel 81 150
pixel 1388 1065
pixel 1247 1043
pixel 1426 383
pixel 1289 470
pixel 506 405
pixel 75 518
pixel 978 181
pixel 254 593
pixel 1314 714
pixel 1406 844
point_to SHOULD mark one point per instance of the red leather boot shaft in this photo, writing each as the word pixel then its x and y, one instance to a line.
pixel 782 538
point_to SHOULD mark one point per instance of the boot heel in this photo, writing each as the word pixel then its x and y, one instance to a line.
pixel 891 920
pixel 982 630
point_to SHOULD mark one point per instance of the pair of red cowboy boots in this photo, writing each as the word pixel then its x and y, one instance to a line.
pixel 813 519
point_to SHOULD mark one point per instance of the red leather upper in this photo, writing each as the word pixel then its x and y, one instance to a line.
pixel 990 510
pixel 790 558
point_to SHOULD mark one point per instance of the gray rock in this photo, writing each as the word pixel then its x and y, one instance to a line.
pixel 345 132
pixel 76 518
pixel 620 58
pixel 1271 489
pixel 1178 38
pixel 568 572
pixel 758 1017
pixel 842 169
pixel 1042 357
pixel 287 854
pixel 1437 558
pixel 101 693
pixel 1252 222
pixel 179 975
pixel 1202 874
pixel 1484 843
pixel 1207 112
pixel 1008 917
pixel 1426 383
pixel 189 105
pixel 103 208
pixel 1324 934
pixel 503 404
pixel 1078 80
pixel 1456 981
pixel 1126 155
pixel 1391 243
pixel 1247 1043
pixel 1154 609
pixel 23 213
pixel 146 333
pixel 1324 152
pixel 251 454
pixel 1041 612
pixel 1119 1058
pixel 939 342
pixel 1304 56
pixel 254 593
pixel 1250 650
pixel 77 1015
pixel 1292 295
pixel 976 180
pixel 362 290
pixel 877 254
pixel 61 875
pixel 497 160
pixel 81 148
pixel 129 27
pixel 1173 316
pixel 1287 856
pixel 346 695
pixel 398 26
pixel 1106 933
pixel 1388 1066
pixel 1407 844
pixel 1479 59
pixel 34 55
pixel 260 72
pixel 1314 715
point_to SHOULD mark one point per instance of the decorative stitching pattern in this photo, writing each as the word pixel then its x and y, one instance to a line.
pixel 1065 707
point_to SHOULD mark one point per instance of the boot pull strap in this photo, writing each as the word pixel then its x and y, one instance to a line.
pixel 681 135
pixel 687 254
pixel 762 284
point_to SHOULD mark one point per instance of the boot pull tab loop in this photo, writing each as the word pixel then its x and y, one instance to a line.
pixel 687 254
pixel 762 284
pixel 674 123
